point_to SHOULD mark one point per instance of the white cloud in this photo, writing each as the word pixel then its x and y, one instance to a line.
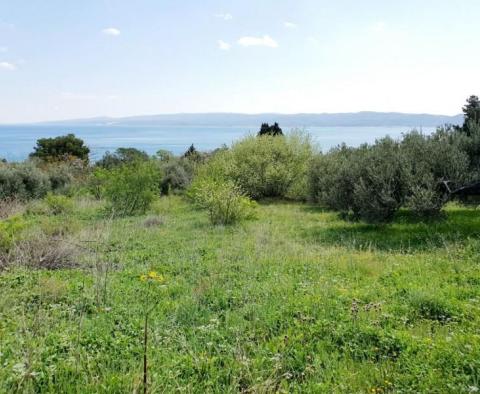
pixel 289 25
pixel 378 27
pixel 7 66
pixel 265 41
pixel 225 17
pixel 224 46
pixel 111 31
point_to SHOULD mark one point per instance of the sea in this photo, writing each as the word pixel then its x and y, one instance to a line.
pixel 16 142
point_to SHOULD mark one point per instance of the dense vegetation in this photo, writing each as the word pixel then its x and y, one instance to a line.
pixel 268 266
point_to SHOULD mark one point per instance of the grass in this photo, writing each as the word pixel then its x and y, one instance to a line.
pixel 294 301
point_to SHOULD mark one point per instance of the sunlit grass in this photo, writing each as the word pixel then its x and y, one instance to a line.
pixel 297 300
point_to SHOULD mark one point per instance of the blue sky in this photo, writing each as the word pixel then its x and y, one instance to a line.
pixel 71 59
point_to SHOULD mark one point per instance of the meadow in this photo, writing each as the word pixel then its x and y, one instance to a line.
pixel 295 300
pixel 267 266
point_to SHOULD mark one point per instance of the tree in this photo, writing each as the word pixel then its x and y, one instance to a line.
pixel 122 156
pixel 192 154
pixel 471 112
pixel 273 130
pixel 61 148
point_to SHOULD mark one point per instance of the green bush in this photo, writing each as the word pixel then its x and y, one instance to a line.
pixel 176 176
pixel 9 231
pixel 61 148
pixel 265 166
pixel 58 204
pixel 381 187
pixel 61 176
pixel 224 201
pixel 430 161
pixel 22 181
pixel 121 157
pixel 130 189
pixel 366 183
pixel 332 178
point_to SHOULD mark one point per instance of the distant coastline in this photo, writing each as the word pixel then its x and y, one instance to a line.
pixel 357 119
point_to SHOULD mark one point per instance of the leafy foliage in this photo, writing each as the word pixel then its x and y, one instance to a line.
pixel 368 183
pixel 471 111
pixel 129 189
pixel 177 176
pixel 266 166
pixel 431 161
pixel 61 148
pixel 273 130
pixel 58 204
pixel 224 201
pixel 23 181
pixel 122 156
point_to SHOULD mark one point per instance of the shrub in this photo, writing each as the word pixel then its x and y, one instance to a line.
pixel 97 182
pixel 58 204
pixel 430 161
pixel 332 178
pixel 10 207
pixel 61 148
pixel 367 183
pixel 22 181
pixel 175 177
pixel 224 201
pixel 164 155
pixel 122 156
pixel 382 183
pixel 9 231
pixel 265 166
pixel 130 189
pixel 61 176
pixel 41 251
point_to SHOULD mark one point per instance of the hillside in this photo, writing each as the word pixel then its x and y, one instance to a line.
pixel 287 120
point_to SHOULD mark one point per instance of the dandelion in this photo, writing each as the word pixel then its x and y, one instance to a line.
pixel 152 276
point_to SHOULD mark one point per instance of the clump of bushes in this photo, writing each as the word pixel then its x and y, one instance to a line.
pixel 121 157
pixel 366 183
pixel 23 181
pixel 33 180
pixel 9 231
pixel 40 251
pixel 430 161
pixel 58 204
pixel 265 166
pixel 225 202
pixel 129 189
pixel 373 182
pixel 176 176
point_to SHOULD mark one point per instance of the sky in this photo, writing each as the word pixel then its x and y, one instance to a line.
pixel 78 59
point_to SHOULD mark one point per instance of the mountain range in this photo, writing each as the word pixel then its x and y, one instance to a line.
pixel 357 119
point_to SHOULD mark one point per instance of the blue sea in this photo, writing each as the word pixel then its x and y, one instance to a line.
pixel 16 142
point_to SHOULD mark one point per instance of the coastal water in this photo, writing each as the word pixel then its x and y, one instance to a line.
pixel 16 142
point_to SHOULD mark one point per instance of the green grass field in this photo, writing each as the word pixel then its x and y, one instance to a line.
pixel 297 300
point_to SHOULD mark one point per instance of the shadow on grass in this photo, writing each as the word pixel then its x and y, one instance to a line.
pixel 405 234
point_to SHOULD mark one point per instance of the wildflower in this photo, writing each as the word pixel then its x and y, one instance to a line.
pixel 152 276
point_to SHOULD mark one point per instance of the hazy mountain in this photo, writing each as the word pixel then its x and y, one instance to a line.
pixel 294 120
